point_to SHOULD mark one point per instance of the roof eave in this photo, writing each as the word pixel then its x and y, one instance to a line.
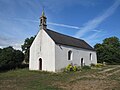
pixel 75 46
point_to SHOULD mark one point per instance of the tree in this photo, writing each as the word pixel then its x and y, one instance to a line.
pixel 26 47
pixel 109 51
pixel 0 50
pixel 10 58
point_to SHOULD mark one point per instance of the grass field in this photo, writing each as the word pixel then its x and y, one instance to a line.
pixel 106 78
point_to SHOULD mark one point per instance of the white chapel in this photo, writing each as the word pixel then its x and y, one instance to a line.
pixel 53 51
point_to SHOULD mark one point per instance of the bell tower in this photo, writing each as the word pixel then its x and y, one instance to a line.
pixel 43 24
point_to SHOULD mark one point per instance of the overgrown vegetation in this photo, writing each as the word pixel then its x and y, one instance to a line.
pixel 98 65
pixel 72 67
pixel 108 51
pixel 75 68
pixel 10 58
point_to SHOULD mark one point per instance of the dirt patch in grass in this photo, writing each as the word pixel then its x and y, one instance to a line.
pixel 93 81
pixel 90 85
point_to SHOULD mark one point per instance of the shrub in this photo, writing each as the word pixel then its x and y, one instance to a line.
pixel 98 65
pixel 10 58
pixel 71 67
pixel 74 68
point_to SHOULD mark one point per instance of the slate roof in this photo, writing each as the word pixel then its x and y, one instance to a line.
pixel 68 40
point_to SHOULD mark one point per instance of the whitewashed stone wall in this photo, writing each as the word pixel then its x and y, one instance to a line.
pixel 43 47
pixel 61 56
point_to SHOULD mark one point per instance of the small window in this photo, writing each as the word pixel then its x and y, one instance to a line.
pixel 91 56
pixel 70 55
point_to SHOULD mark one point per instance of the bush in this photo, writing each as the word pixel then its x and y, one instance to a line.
pixel 98 65
pixel 71 67
pixel 10 58
pixel 74 68
pixel 23 66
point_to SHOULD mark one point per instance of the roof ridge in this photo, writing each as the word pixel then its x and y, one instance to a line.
pixel 65 35
pixel 63 39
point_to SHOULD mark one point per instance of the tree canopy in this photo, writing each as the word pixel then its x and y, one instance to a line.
pixel 108 51
pixel 26 47
pixel 10 58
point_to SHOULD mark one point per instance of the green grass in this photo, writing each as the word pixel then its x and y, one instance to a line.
pixel 23 79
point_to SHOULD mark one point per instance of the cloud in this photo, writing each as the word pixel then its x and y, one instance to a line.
pixel 64 25
pixel 91 37
pixel 13 29
pixel 22 22
pixel 13 32
pixel 54 24
pixel 92 24
pixel 50 23
pixel 8 41
pixel 17 45
pixel 3 41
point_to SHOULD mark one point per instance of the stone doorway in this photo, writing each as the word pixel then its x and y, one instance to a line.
pixel 40 64
pixel 82 62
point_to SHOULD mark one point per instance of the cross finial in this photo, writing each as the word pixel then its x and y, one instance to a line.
pixel 43 13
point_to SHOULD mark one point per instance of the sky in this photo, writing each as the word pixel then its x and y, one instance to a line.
pixel 90 20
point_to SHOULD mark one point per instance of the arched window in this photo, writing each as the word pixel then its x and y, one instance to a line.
pixel 91 56
pixel 70 55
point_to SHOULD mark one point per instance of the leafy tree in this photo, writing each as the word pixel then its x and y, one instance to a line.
pixel 100 52
pixel 0 50
pixel 26 47
pixel 109 51
pixel 10 58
